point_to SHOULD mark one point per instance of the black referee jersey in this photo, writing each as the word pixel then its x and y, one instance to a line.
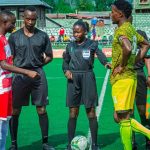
pixel 81 57
pixel 27 51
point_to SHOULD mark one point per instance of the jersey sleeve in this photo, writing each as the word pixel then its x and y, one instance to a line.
pixel 101 56
pixel 139 38
pixel 2 51
pixel 66 59
pixel 121 34
pixel 11 44
pixel 48 47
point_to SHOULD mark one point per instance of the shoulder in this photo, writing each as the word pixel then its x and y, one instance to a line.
pixel 92 42
pixel 126 30
pixel 70 44
pixel 16 33
pixel 38 31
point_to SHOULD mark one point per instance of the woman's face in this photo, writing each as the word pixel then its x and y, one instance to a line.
pixel 79 33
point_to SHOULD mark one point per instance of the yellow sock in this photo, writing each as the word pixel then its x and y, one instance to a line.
pixel 126 134
pixel 137 127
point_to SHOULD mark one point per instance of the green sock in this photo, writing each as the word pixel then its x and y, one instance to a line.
pixel 137 127
pixel 126 134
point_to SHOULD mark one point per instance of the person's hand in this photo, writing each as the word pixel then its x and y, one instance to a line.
pixel 148 81
pixel 43 56
pixel 33 74
pixel 118 70
pixel 108 66
pixel 68 74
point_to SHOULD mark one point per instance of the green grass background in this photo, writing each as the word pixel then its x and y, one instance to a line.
pixel 29 134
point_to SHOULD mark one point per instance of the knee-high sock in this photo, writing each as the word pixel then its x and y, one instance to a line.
pixel 126 134
pixel 137 127
pixel 71 128
pixel 13 125
pixel 3 133
pixel 43 120
pixel 93 128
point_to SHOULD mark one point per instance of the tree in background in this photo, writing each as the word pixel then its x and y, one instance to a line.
pixel 63 6
pixel 85 5
pixel 51 3
pixel 103 5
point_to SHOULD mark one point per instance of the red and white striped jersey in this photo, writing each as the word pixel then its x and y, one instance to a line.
pixel 5 76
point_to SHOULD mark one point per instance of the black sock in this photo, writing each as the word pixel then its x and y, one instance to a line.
pixel 71 128
pixel 13 126
pixel 94 129
pixel 43 120
pixel 143 120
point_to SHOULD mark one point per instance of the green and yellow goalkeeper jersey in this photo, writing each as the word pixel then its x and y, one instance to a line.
pixel 125 30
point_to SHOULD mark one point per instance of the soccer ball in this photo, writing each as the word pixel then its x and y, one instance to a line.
pixel 79 143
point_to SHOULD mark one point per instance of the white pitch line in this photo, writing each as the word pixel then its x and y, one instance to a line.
pixel 100 102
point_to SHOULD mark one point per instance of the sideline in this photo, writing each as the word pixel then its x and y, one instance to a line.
pixel 100 102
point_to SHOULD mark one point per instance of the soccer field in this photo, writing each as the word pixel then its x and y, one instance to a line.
pixel 29 134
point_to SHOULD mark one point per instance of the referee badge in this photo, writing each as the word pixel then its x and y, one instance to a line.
pixel 86 53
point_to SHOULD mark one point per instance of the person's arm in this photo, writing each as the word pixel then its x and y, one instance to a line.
pixel 102 58
pixel 126 52
pixel 12 44
pixel 9 67
pixel 47 58
pixel 4 65
pixel 65 65
pixel 144 46
pixel 48 53
pixel 147 63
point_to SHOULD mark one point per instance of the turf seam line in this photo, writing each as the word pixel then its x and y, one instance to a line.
pixel 100 101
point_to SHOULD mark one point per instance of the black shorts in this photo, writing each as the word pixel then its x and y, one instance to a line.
pixel 23 87
pixel 82 90
pixel 141 91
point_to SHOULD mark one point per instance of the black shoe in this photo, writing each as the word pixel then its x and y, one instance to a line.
pixel 147 144
pixel 13 147
pixel 134 146
pixel 95 147
pixel 45 146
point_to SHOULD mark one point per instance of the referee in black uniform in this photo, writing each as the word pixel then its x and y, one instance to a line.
pixel 78 60
pixel 31 49
pixel 141 91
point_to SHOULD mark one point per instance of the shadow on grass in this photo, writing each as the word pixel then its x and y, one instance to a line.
pixel 59 141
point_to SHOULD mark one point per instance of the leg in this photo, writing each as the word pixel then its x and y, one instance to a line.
pixel 43 121
pixel 141 107
pixel 128 125
pixel 134 144
pixel 141 110
pixel 3 133
pixel 125 129
pixel 93 126
pixel 73 115
pixel 13 125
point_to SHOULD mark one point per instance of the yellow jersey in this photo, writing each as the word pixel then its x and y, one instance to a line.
pixel 128 31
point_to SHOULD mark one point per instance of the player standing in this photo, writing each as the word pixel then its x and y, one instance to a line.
pixel 7 24
pixel 123 77
pixel 31 48
pixel 81 87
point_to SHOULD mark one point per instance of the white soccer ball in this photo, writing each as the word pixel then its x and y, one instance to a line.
pixel 79 143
